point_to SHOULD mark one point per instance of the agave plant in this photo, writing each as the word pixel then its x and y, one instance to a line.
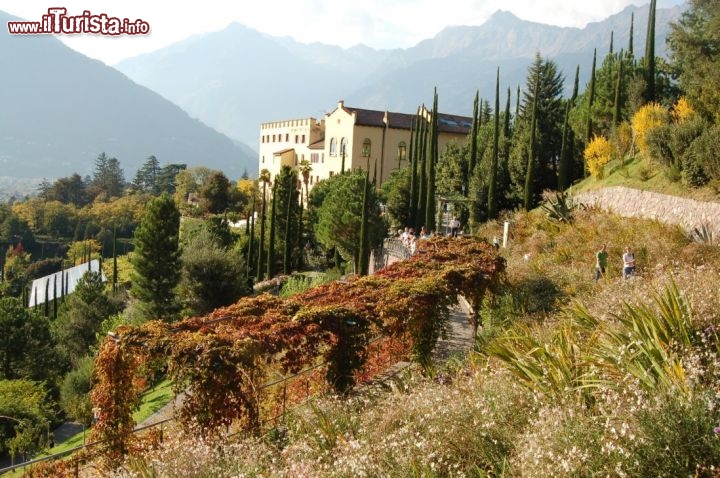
pixel 704 234
pixel 560 207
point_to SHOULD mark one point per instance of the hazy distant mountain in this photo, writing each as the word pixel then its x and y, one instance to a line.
pixel 61 109
pixel 460 60
pixel 237 78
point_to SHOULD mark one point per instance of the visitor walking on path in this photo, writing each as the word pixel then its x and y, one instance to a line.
pixel 600 262
pixel 628 263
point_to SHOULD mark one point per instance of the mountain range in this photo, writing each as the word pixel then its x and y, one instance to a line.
pixel 237 78
pixel 61 109
pixel 201 101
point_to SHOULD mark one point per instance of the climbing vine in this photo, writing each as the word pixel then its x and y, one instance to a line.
pixel 222 361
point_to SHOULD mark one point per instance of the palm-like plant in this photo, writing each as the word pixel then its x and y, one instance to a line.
pixel 305 170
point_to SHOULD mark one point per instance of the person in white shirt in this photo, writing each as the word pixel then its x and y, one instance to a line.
pixel 454 227
pixel 628 263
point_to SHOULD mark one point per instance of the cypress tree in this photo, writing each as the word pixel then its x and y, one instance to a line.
pixel 529 174
pixel 115 266
pixel 300 244
pixel 363 264
pixel 287 251
pixel 565 166
pixel 630 42
pixel 517 103
pixel 265 178
pixel 271 239
pixel 55 301
pixel 414 173
pixel 591 100
pixel 156 260
pixel 492 187
pixel 617 109
pixel 474 134
pixel 432 161
pixel 422 174
pixel 650 54
pixel 47 297
pixel 612 39
pixel 251 241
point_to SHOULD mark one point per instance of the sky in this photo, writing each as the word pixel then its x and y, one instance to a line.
pixel 376 23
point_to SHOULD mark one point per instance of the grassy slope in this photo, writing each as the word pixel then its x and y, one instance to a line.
pixel 481 418
pixel 635 173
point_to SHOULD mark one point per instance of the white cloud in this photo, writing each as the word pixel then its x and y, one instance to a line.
pixel 378 23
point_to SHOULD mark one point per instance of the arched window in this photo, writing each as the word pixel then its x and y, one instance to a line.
pixel 333 147
pixel 365 152
pixel 343 146
pixel 402 152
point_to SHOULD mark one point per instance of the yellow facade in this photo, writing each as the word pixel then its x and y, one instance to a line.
pixel 378 138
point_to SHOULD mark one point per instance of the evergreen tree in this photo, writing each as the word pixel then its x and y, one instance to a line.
pixel 251 239
pixel 156 260
pixel 492 186
pixel 591 100
pixel 288 241
pixel 630 41
pixel 696 56
pixel 529 200
pixel 649 62
pixel 265 179
pixel 474 132
pixel 108 178
pixel 271 239
pixel 415 171
pixel 147 177
pixel 618 102
pixel 430 205
pixel 363 250
pixel 422 174
pixel 565 167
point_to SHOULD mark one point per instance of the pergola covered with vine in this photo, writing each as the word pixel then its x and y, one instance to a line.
pixel 221 361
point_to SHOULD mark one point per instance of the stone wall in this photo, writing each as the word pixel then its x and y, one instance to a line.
pixel 628 202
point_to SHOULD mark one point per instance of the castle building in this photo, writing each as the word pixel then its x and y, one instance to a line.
pixel 353 136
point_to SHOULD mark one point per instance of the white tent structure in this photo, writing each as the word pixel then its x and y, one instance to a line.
pixel 46 288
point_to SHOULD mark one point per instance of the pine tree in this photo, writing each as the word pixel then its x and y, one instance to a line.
pixel 492 187
pixel 156 260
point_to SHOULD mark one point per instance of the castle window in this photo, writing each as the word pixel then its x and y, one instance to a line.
pixel 333 147
pixel 402 151
pixel 343 146
pixel 365 152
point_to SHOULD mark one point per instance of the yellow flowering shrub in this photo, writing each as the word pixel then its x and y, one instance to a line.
pixel 648 117
pixel 597 154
